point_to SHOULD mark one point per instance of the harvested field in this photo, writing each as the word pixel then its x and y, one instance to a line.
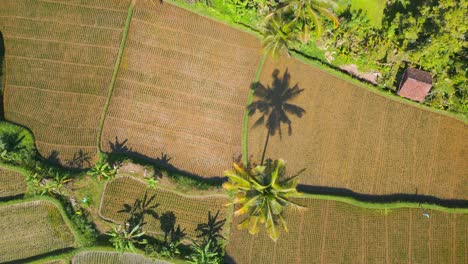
pixel 12 183
pixel 334 232
pixel 105 257
pixel 189 211
pixel 60 58
pixel 355 139
pixel 181 90
pixel 33 228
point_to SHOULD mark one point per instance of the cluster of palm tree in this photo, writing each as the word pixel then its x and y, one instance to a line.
pixel 294 20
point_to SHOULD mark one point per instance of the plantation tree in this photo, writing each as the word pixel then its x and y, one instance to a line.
pixel 305 15
pixel 262 193
pixel 274 106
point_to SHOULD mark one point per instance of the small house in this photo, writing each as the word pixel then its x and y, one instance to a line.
pixel 415 84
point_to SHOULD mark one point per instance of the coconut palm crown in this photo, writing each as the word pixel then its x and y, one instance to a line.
pixel 306 14
pixel 262 193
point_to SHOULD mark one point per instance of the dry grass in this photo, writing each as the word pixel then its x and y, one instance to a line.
pixel 104 257
pixel 182 89
pixel 355 139
pixel 12 183
pixel 333 232
pixel 30 229
pixel 59 63
pixel 189 211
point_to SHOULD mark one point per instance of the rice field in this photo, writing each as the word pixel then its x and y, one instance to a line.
pixel 189 211
pixel 59 62
pixel 181 90
pixel 104 257
pixel 351 138
pixel 12 183
pixel 334 232
pixel 31 229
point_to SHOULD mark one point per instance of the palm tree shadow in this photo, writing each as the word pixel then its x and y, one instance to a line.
pixel 139 210
pixel 79 161
pixel 172 234
pixel 212 229
pixel 274 106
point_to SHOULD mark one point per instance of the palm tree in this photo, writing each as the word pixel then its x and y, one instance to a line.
pixel 262 193
pixel 125 240
pixel 277 37
pixel 273 105
pixel 306 14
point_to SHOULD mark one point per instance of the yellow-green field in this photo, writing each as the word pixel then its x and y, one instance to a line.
pixel 59 61
pixel 12 183
pixel 31 229
pixel 189 210
pixel 351 138
pixel 334 232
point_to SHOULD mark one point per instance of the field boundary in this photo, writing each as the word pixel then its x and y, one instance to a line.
pixel 115 73
pixel 245 122
pixel 381 206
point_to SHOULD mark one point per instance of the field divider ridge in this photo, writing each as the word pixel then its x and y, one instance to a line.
pixel 245 122
pixel 115 73
pixel 382 205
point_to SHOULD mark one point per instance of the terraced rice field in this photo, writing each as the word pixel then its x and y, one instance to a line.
pixel 12 183
pixel 60 57
pixel 355 139
pixel 189 211
pixel 182 89
pixel 32 228
pixel 103 257
pixel 334 232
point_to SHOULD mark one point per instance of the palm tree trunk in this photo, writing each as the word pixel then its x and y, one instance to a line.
pixel 265 147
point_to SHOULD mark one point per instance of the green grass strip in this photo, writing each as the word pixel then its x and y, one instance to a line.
pixel 115 73
pixel 245 124
pixel 383 206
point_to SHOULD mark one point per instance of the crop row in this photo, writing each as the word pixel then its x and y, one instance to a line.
pixel 187 211
pixel 32 228
pixel 335 232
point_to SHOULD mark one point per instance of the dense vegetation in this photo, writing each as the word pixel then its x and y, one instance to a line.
pixel 429 35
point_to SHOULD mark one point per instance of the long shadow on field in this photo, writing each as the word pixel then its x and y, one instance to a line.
pixel 398 197
pixel 140 209
pixel 38 257
pixel 274 105
pixel 80 161
pixel 120 151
